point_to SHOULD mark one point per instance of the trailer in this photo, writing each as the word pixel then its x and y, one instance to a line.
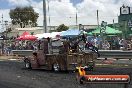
pixel 58 56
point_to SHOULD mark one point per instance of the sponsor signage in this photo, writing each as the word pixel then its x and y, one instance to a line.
pixel 1 38
pixel 125 10
pixel 107 78
pixel 130 23
pixel 102 30
pixel 103 24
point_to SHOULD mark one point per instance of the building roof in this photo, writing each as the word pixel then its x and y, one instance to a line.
pixel 90 26
pixel 25 29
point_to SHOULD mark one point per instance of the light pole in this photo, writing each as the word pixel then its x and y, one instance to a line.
pixel 44 19
pixel 76 18
pixel 98 18
pixel 49 16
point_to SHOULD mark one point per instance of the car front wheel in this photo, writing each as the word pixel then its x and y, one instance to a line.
pixel 56 67
pixel 27 64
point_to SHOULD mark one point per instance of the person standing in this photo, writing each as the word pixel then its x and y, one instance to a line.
pixel 92 47
pixel 106 45
pixel 123 44
pixel 84 38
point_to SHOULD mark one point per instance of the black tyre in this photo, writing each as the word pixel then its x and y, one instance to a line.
pixel 56 67
pixel 82 80
pixel 27 64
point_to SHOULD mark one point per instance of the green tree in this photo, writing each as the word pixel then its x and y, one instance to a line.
pixel 24 16
pixel 62 27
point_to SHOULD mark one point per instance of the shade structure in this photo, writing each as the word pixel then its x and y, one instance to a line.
pixel 44 35
pixel 70 33
pixel 109 30
pixel 89 33
pixel 53 35
pixel 112 35
pixel 26 36
pixel 25 33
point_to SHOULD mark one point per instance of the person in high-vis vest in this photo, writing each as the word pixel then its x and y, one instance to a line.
pixel 81 71
pixel 80 75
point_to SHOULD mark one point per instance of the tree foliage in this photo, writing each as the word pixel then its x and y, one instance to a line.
pixel 62 27
pixel 24 16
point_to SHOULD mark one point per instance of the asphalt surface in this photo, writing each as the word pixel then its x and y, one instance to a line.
pixel 14 75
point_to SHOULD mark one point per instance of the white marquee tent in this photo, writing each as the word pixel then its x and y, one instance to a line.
pixel 52 35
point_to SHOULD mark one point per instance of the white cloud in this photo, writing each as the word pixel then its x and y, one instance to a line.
pixel 59 12
pixel 65 12
pixel 107 10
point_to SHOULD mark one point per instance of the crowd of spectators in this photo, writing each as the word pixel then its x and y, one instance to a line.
pixel 7 47
pixel 115 43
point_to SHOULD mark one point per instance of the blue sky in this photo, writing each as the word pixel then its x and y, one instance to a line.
pixel 76 1
pixel 4 4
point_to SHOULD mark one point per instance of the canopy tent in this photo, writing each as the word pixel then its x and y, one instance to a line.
pixel 109 30
pixel 53 35
pixel 89 33
pixel 70 33
pixel 25 33
pixel 44 35
pixel 112 35
pixel 26 36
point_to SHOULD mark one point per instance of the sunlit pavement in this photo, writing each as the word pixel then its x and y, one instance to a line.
pixel 12 58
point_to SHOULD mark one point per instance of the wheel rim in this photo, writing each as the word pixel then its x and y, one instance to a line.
pixel 56 67
pixel 27 65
